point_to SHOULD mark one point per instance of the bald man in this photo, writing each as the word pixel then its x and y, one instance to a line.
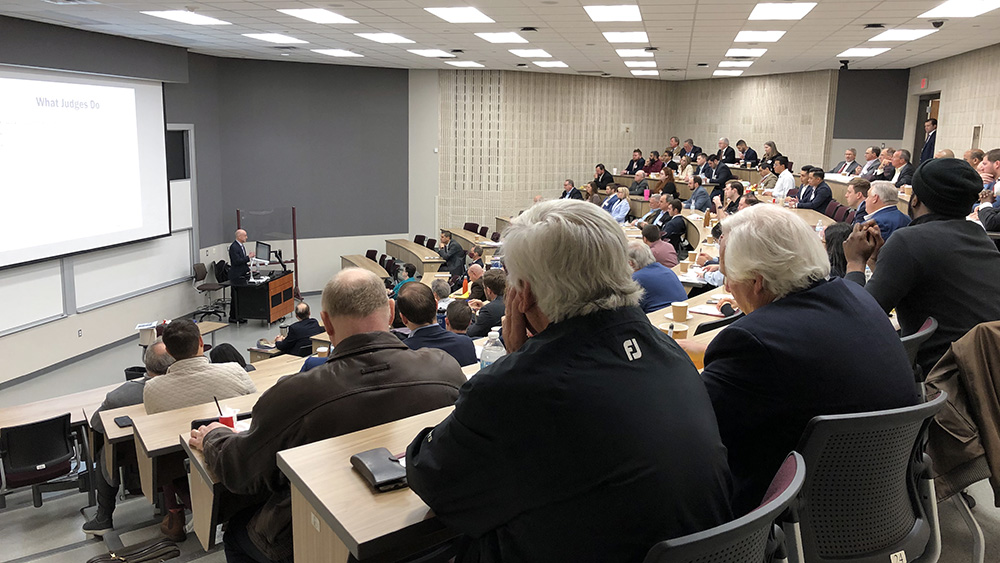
pixel 239 271
pixel 476 288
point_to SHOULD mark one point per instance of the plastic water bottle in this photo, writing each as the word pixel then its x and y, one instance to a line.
pixel 493 350
pixel 819 229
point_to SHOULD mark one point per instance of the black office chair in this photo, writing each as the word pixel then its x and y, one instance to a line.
pixel 432 243
pixel 913 342
pixel 472 227
pixel 483 230
pixel 381 260
pixel 135 372
pixel 744 540
pixel 869 491
pixel 215 306
pixel 419 239
pixel 495 237
pixel 712 325
pixel 39 455
pixel 371 255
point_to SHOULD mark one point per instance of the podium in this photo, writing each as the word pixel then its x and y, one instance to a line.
pixel 266 301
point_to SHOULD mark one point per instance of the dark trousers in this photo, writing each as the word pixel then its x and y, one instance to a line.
pixel 239 547
pixel 233 293
pixel 106 493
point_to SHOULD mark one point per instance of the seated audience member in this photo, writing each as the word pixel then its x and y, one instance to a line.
pixel 804 178
pixel 765 373
pixel 733 192
pixel 640 184
pixel 989 211
pixel 417 307
pixel 190 380
pixel 747 154
pixel 770 152
pixel 690 149
pixel 834 237
pixel 227 353
pixel 635 164
pixel 610 197
pixel 720 172
pixel 702 168
pixel 371 378
pixel 669 160
pixel 673 226
pixel 569 191
pixel 454 256
pixel 654 212
pixel 885 170
pixel 663 252
pixel 872 161
pixel 699 199
pixel 659 284
pixel 944 153
pixel 654 164
pixel 601 178
pixel 298 341
pixel 786 180
pixel 596 376
pixel 881 208
pixel 726 153
pixel 855 196
pixel 903 174
pixel 974 157
pixel 674 148
pixel 767 178
pixel 989 169
pixel 156 360
pixel 476 255
pixel 684 169
pixel 442 292
pixel 818 194
pixel 488 315
pixel 590 195
pixel 621 207
pixel 458 317
pixel 747 200
pixel 849 165
pixel 476 289
pixel 940 266
pixel 411 276
pixel 666 184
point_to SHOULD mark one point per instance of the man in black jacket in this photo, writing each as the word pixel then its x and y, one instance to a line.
pixel 590 441
pixel 299 338
pixel 489 315
pixel 570 191
pixel 454 256
pixel 601 178
pixel 239 272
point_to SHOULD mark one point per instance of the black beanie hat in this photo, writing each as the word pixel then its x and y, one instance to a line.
pixel 948 186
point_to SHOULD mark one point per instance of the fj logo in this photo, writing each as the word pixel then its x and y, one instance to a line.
pixel 632 349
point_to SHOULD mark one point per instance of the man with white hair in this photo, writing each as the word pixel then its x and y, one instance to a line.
pixel 566 448
pixel 369 379
pixel 881 207
pixel 765 374
pixel 849 165
pixel 654 212
pixel 659 284
pixel 239 272
pixel 640 184
pixel 726 154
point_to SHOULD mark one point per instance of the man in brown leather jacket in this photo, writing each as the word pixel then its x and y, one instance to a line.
pixel 371 378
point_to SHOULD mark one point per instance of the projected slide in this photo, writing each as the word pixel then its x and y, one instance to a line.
pixel 82 164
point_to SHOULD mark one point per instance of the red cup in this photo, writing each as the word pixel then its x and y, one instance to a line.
pixel 229 421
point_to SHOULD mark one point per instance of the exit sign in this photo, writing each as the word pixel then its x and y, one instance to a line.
pixel 923 83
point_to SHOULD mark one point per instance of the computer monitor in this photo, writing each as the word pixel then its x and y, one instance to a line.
pixel 263 251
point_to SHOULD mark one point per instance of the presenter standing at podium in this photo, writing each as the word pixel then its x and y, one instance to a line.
pixel 239 271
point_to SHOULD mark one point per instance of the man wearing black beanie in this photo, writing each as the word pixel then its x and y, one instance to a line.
pixel 940 266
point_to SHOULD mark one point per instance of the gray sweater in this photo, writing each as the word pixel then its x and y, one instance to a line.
pixel 195 381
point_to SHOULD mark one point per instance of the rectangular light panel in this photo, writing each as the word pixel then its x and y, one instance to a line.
pixel 614 13
pixel 626 37
pixel 184 16
pixel 727 73
pixel 640 64
pixel 337 52
pixel 464 64
pixel 781 11
pixel 502 37
pixel 436 53
pixel 274 38
pixel 530 53
pixel 384 37
pixel 735 64
pixel 962 9
pixel 902 34
pixel 645 73
pixel 863 52
pixel 746 52
pixel 464 14
pixel 317 15
pixel 758 36
pixel 551 64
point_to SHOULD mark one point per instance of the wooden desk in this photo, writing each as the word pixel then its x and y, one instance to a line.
pixel 659 317
pixel 904 203
pixel 210 328
pixel 811 216
pixel 267 301
pixel 335 512
pixel 425 259
pixel 639 206
pixel 745 174
pixel 468 238
pixel 838 185
pixel 502 223
pixel 261 354
pixel 359 261
pixel 320 340
pixel 74 404
pixel 427 279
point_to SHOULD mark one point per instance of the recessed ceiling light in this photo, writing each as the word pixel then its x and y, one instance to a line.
pixel 337 52
pixel 645 73
pixel 640 64
pixel 530 53
pixel 184 16
pixel 502 37
pixel 438 53
pixel 465 14
pixel 727 73
pixel 274 38
pixel 863 52
pixel 614 13
pixel 551 64
pixel 626 37
pixel 962 9
pixel 746 52
pixel 464 64
pixel 317 15
pixel 758 36
pixel 782 11
pixel 384 37
pixel 902 34
pixel 735 64
pixel 633 53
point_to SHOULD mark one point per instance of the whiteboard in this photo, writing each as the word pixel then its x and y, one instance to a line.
pixel 35 293
pixel 127 270
pixel 181 216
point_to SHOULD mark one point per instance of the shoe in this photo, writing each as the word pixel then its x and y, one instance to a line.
pixel 242 321
pixel 98 526
pixel 173 526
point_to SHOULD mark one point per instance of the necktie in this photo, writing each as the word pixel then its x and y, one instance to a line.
pixel 842 168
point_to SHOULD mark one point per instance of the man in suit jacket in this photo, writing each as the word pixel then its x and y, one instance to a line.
pixel 699 199
pixel 881 208
pixel 690 149
pixel 454 256
pixel 930 127
pixel 904 170
pixel 239 272
pixel 489 315
pixel 702 168
pixel 601 178
pixel 635 164
pixel 819 194
pixel 726 153
pixel 640 185
pixel 720 175
pixel 750 157
pixel 298 341
pixel 417 308
pixel 849 165
pixel 766 375
pixel 570 191
pixel 855 195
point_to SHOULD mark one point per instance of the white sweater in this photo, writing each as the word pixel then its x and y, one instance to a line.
pixel 195 381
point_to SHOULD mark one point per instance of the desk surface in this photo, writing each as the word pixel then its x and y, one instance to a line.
pixel 419 251
pixel 366 522
pixel 208 327
pixel 429 277
pixel 74 403
pixel 359 261
pixel 468 238
pixel 659 317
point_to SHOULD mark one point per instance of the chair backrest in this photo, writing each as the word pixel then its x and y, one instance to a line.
pixel 483 230
pixel 419 239
pixel 390 267
pixel 36 447
pixel 432 243
pixel 471 227
pixel 371 255
pixel 831 208
pixel 860 500
pixel 381 260
pixel 200 272
pixel 841 213
pixel 495 237
pixel 693 233
pixel 792 192
pixel 221 269
pixel 712 325
pixel 913 342
pixel 851 214
pixel 743 540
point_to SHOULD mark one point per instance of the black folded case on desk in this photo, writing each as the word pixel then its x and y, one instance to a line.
pixel 380 469
pixel 206 421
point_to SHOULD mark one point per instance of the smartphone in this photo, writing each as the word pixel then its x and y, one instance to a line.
pixel 711 302
pixel 123 421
